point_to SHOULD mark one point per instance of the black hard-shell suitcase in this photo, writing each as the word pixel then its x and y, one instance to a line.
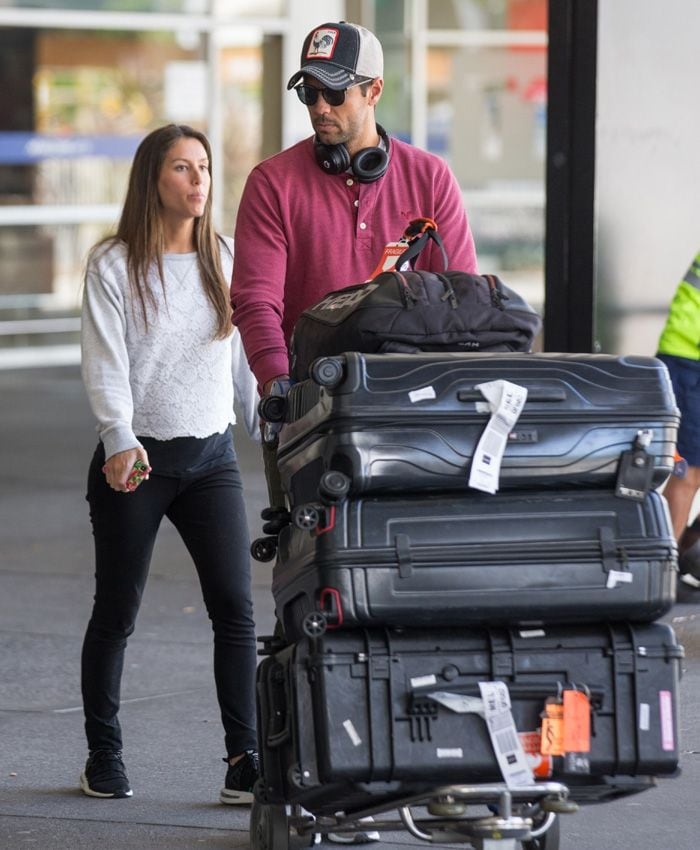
pixel 375 714
pixel 512 557
pixel 410 423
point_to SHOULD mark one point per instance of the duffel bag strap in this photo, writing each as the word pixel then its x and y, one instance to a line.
pixel 417 234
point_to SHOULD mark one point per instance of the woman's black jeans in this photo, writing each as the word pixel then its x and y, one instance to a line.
pixel 208 511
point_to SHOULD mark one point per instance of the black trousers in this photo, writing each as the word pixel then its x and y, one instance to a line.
pixel 208 511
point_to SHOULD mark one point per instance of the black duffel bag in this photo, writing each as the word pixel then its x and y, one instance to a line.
pixel 409 311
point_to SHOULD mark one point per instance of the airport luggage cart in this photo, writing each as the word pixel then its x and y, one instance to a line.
pixel 481 816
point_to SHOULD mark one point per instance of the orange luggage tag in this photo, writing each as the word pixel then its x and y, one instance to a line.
pixel 392 251
pixel 417 228
pixel 552 743
pixel 577 722
pixel 566 729
pixel 577 731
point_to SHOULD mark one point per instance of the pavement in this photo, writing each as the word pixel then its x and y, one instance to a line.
pixel 173 739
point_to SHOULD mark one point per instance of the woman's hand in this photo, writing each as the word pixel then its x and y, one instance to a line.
pixel 120 466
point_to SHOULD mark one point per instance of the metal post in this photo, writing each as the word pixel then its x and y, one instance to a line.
pixel 571 132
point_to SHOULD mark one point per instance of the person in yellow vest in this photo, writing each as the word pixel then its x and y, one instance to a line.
pixel 679 349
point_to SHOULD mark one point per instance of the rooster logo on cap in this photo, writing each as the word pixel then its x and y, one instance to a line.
pixel 322 43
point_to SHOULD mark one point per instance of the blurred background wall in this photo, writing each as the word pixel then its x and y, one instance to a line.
pixel 82 81
pixel 647 165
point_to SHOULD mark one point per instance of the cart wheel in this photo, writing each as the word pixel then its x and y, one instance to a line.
pixel 296 841
pixel 559 806
pixel 314 624
pixel 326 372
pixel 264 548
pixel 306 517
pixel 548 841
pixel 269 828
pixel 333 486
pixel 446 807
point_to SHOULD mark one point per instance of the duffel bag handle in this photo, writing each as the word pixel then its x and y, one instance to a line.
pixel 417 234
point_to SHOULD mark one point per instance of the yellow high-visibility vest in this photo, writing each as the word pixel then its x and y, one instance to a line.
pixel 681 334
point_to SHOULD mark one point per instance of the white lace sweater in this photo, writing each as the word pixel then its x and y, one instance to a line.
pixel 174 380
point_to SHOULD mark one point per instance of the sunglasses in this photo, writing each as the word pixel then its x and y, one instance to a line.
pixel 308 95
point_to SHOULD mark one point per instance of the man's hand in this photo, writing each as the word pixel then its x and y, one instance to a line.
pixel 277 386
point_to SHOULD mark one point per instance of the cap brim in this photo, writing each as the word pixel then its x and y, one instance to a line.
pixel 330 75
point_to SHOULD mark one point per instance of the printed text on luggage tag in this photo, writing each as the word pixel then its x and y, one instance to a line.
pixel 392 252
pixel 506 401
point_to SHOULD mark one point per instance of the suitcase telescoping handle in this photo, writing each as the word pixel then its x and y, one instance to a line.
pixel 279 701
pixel 533 394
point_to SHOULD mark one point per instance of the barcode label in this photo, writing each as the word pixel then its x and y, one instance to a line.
pixel 505 741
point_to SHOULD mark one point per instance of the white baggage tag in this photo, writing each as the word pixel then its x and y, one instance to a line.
pixel 504 736
pixel 506 401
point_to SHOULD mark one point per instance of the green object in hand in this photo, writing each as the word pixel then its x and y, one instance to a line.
pixel 139 472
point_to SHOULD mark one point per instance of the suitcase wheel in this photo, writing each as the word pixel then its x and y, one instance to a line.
pixel 264 548
pixel 272 408
pixel 326 371
pixel 306 517
pixel 275 519
pixel 314 624
pixel 333 486
pixel 273 514
pixel 274 526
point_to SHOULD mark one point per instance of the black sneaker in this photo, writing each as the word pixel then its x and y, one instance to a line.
pixel 105 775
pixel 240 778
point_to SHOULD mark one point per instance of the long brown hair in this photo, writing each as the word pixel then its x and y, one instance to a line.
pixel 140 227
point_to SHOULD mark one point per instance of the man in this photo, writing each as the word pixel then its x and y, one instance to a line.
pixel 317 216
pixel 679 348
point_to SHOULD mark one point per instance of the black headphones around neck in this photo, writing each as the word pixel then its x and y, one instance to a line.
pixel 368 164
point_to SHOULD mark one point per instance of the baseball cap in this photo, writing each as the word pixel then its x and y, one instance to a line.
pixel 340 54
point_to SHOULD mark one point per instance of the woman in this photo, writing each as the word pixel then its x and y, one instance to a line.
pixel 157 353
